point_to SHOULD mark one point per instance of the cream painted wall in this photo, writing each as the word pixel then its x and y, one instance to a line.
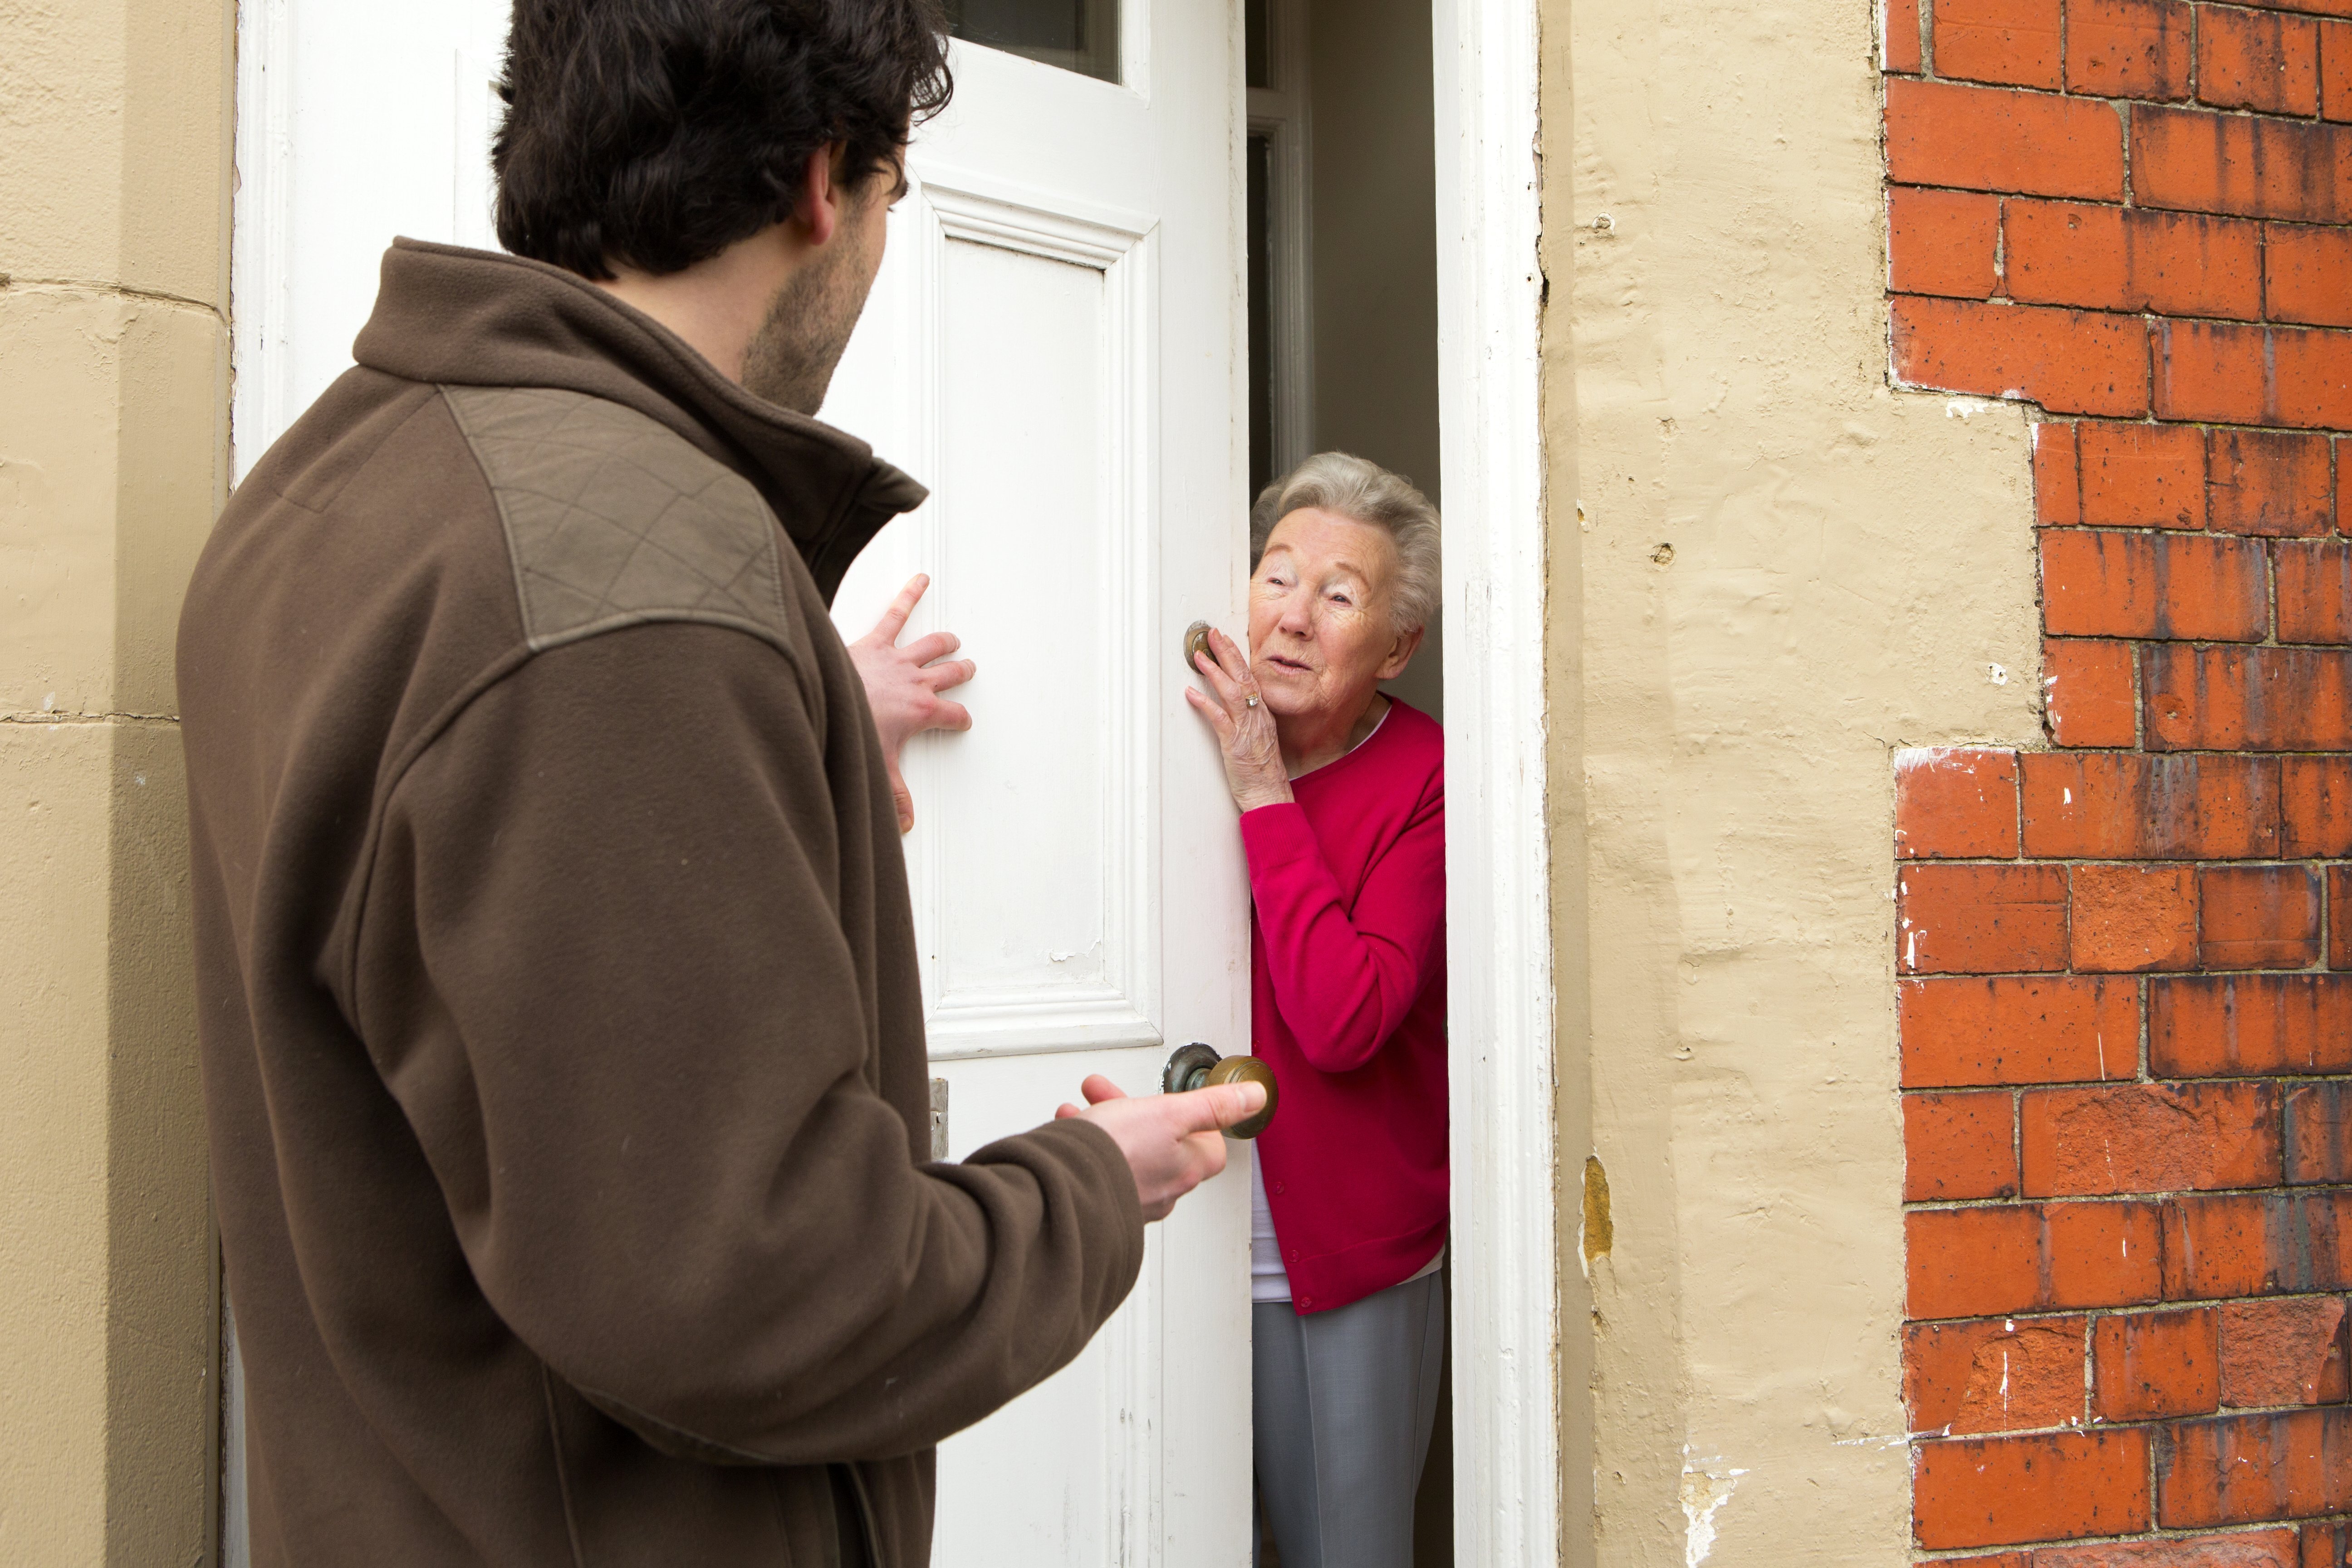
pixel 1782 571
pixel 113 408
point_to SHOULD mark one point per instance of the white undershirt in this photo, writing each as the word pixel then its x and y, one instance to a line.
pixel 1269 1281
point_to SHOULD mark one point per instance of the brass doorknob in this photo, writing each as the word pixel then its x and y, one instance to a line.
pixel 1196 643
pixel 1197 1065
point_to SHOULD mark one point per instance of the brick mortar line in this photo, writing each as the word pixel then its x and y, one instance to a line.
pixel 2143 719
pixel 2038 1315
pixel 2098 1424
pixel 2198 972
pixel 1994 863
pixel 2239 862
pixel 2281 1188
pixel 2294 1079
pixel 2057 750
pixel 2149 317
pixel 2191 104
pixel 2142 975
pixel 2331 434
pixel 2156 1532
pixel 2119 205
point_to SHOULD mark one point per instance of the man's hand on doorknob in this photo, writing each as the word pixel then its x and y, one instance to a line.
pixel 1173 1143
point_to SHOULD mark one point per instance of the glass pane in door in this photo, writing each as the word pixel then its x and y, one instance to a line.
pixel 1079 36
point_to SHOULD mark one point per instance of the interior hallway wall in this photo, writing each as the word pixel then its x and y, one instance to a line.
pixel 1374 214
pixel 1788 571
pixel 113 440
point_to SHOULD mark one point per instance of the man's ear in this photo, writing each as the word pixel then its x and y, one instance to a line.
pixel 1402 655
pixel 817 211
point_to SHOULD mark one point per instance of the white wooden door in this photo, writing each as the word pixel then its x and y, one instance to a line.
pixel 1051 347
pixel 1054 347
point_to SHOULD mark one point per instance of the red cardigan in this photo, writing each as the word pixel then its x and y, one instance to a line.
pixel 1348 1007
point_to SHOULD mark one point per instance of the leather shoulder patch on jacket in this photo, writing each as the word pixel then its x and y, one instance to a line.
pixel 612 519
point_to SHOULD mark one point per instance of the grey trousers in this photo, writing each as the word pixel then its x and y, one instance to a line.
pixel 1344 1402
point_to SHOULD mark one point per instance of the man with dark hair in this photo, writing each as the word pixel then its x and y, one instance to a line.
pixel 563 1037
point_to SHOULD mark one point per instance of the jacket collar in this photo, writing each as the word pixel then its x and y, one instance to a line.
pixel 477 318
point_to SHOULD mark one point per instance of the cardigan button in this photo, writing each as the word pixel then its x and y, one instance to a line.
pixel 1307 1300
pixel 1277 1189
pixel 1293 1254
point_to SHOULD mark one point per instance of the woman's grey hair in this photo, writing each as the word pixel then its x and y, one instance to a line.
pixel 1370 494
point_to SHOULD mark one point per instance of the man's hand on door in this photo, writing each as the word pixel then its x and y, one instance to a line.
pixel 1173 1143
pixel 903 685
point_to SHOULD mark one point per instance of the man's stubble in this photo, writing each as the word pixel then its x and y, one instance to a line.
pixel 791 359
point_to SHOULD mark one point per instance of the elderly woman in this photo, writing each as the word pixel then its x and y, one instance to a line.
pixel 1342 796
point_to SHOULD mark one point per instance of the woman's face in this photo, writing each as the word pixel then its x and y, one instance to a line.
pixel 1322 632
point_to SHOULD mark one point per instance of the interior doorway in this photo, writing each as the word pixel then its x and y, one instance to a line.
pixel 1340 193
pixel 1342 204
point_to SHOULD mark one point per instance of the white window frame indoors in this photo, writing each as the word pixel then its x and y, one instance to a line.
pixel 1506 1306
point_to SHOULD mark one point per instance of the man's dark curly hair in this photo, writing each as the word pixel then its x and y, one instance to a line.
pixel 656 132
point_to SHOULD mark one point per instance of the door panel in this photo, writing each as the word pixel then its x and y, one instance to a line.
pixel 1053 346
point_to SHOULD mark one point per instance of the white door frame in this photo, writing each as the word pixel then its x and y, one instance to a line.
pixel 1506 1306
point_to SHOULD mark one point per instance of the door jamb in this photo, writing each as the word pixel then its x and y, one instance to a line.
pixel 1505 1305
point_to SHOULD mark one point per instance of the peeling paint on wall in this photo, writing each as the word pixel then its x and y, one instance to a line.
pixel 1704 1491
pixel 1597 1233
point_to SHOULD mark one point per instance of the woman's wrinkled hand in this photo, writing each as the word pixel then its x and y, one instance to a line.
pixel 1245 725
pixel 903 685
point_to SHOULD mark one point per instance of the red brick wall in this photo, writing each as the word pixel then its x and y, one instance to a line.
pixel 2125 1010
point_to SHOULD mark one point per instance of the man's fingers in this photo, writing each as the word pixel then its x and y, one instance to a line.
pixel 901 797
pixel 886 628
pixel 1098 1088
pixel 1217 1107
pixel 953 672
pixel 952 716
pixel 931 645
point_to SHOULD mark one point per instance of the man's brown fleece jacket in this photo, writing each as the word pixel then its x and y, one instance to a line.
pixel 561 1032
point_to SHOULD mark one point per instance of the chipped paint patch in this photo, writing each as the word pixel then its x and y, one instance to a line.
pixel 1704 1491
pixel 1596 1232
